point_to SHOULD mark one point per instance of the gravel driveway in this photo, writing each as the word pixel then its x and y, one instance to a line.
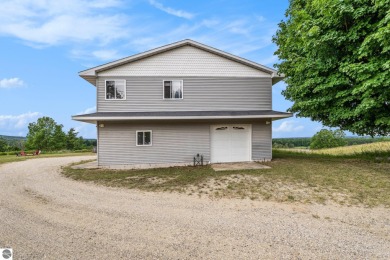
pixel 43 214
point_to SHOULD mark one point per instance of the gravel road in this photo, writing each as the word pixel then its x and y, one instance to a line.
pixel 45 215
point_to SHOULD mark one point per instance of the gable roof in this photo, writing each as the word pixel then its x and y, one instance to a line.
pixel 91 74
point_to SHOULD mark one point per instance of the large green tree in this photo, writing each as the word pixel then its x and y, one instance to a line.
pixel 45 134
pixel 3 145
pixel 336 58
pixel 73 142
pixel 328 139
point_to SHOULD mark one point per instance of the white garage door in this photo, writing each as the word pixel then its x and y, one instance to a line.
pixel 230 143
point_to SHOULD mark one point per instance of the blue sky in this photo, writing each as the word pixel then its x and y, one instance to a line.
pixel 44 44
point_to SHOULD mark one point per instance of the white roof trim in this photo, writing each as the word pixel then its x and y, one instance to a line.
pixel 91 73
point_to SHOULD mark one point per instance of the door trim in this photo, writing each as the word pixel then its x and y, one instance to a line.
pixel 231 125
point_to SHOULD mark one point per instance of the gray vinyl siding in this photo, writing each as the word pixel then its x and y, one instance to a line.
pixel 199 94
pixel 171 143
pixel 261 141
pixel 185 61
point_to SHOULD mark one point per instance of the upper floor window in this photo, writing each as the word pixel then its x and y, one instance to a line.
pixel 173 89
pixel 116 89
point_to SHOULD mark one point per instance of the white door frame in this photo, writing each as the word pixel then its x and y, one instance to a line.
pixel 231 125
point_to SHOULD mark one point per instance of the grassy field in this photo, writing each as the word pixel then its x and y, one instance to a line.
pixel 14 158
pixel 294 177
pixel 362 150
pixel 373 148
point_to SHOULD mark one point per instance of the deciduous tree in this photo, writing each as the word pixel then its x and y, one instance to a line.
pixel 328 139
pixel 3 145
pixel 45 134
pixel 336 58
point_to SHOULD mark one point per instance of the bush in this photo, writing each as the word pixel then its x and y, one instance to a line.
pixel 278 145
pixel 328 139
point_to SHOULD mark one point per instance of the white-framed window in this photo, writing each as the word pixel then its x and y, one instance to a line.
pixel 144 137
pixel 115 89
pixel 173 89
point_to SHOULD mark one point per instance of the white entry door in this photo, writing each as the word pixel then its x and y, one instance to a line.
pixel 230 143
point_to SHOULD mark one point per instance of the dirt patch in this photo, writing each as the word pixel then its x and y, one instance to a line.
pixel 36 196
pixel 151 180
pixel 238 166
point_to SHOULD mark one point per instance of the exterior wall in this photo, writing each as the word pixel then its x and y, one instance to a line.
pixel 261 141
pixel 171 142
pixel 185 61
pixel 199 94
pixel 210 82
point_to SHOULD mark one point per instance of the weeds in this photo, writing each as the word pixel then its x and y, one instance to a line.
pixel 293 177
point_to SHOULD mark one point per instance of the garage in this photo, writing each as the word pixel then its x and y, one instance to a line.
pixel 230 143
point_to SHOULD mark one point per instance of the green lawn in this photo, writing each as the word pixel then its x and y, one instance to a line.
pixel 294 177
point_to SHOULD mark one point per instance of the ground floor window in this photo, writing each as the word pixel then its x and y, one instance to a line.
pixel 144 137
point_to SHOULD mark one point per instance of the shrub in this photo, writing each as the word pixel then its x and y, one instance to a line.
pixel 328 139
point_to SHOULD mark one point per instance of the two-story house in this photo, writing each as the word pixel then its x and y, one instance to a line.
pixel 168 104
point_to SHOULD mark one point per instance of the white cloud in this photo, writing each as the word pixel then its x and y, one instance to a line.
pixel 318 128
pixel 270 61
pixel 260 18
pixel 11 83
pixel 86 130
pixel 105 3
pixel 88 111
pixel 106 54
pixel 101 55
pixel 169 10
pixel 238 36
pixel 46 22
pixel 288 126
pixel 101 30
pixel 211 22
pixel 17 124
pixel 239 27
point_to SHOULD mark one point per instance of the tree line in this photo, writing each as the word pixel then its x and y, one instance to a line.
pixel 47 135
pixel 324 139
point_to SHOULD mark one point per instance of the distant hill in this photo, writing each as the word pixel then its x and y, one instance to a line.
pixel 8 137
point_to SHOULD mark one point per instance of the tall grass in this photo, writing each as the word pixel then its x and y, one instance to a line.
pixel 371 149
pixel 380 147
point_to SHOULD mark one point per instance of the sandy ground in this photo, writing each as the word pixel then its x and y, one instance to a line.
pixel 45 215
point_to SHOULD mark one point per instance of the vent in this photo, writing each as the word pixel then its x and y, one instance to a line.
pixel 221 128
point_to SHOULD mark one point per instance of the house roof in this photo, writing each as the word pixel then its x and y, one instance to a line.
pixel 181 115
pixel 91 74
